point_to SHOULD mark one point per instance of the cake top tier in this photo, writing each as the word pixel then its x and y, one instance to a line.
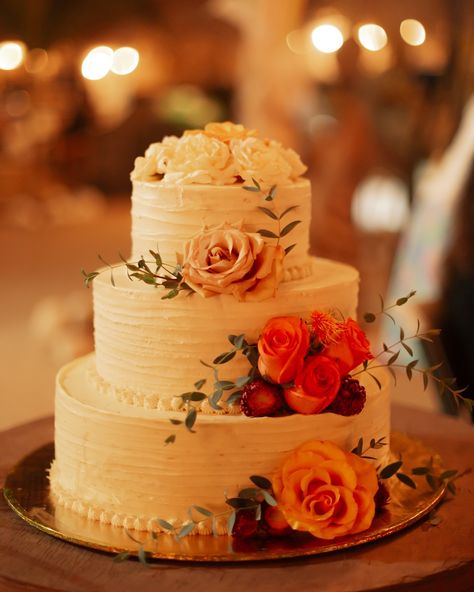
pixel 220 154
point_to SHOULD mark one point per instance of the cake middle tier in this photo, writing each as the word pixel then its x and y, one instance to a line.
pixel 149 350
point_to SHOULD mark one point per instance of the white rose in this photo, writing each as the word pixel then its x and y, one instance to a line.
pixel 198 158
pixel 155 161
pixel 267 162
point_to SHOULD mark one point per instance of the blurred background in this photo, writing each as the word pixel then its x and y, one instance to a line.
pixel 377 97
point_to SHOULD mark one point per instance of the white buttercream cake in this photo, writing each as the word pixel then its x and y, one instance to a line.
pixel 117 407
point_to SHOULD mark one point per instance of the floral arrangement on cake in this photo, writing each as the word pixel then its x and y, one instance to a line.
pixel 221 153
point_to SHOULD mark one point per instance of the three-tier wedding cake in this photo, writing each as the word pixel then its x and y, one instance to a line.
pixel 221 347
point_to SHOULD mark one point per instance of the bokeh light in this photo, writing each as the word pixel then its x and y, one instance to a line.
pixel 12 54
pixel 371 36
pixel 125 60
pixel 36 60
pixel 412 32
pixel 97 63
pixel 327 38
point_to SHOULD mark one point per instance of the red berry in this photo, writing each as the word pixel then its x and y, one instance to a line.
pixel 261 398
pixel 245 524
pixel 382 497
pixel 350 399
pixel 273 521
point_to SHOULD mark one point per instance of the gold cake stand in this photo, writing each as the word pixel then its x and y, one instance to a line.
pixel 27 492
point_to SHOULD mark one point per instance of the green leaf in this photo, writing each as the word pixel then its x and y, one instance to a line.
pixel 249 493
pixel 190 419
pixel 376 380
pixel 185 530
pixel 271 501
pixel 272 191
pixel 289 227
pixel 287 211
pixel 267 233
pixel 420 470
pixel 193 396
pixel 425 381
pixel 234 397
pixel 240 502
pixel 142 556
pixel 407 348
pixel 432 481
pixel 369 317
pixel 268 212
pixel 358 449
pixel 452 487
pixel 206 364
pixel 261 482
pixel 199 384
pixel 171 294
pixel 402 334
pixel 250 188
pixel 121 557
pixel 393 358
pixel 157 257
pixel 290 248
pixel 170 439
pixel 406 480
pixel 176 421
pixel 231 522
pixel 448 474
pixel 242 381
pixel 256 183
pixel 390 470
pixel 203 511
pixel 224 358
pixel 401 301
pixel 164 524
pixel 225 385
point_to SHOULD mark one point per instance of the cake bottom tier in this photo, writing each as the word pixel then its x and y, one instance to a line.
pixel 112 463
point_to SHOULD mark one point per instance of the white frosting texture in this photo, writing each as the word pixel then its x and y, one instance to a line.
pixel 153 347
pixel 164 217
pixel 112 463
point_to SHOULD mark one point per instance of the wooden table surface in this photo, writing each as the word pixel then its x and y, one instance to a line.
pixel 424 558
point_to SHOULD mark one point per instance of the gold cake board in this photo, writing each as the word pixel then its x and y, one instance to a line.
pixel 27 492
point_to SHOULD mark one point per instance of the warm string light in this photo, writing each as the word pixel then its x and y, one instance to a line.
pixel 372 37
pixel 327 38
pixel 412 32
pixel 103 59
pixel 12 54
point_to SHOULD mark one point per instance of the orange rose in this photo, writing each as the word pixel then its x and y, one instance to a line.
pixel 316 385
pixel 351 349
pixel 325 491
pixel 282 346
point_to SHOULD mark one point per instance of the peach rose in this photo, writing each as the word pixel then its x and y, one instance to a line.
pixel 282 346
pixel 351 349
pixel 316 385
pixel 224 131
pixel 226 260
pixel 326 491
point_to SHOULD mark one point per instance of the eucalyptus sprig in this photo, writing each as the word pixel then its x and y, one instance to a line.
pixel 373 445
pixel 388 357
pixel 249 498
pixel 256 188
pixel 219 386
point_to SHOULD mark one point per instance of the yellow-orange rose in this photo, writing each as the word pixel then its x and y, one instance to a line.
pixel 224 131
pixel 282 346
pixel 351 347
pixel 226 260
pixel 326 491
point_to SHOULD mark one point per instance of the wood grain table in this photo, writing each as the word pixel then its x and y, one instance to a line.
pixel 423 558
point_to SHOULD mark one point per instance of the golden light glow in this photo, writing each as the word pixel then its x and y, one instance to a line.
pixel 371 36
pixel 36 60
pixel 12 54
pixel 412 32
pixel 97 63
pixel 125 60
pixel 296 42
pixel 327 38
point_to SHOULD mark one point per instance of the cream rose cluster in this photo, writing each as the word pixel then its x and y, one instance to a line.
pixel 220 154
pixel 226 260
